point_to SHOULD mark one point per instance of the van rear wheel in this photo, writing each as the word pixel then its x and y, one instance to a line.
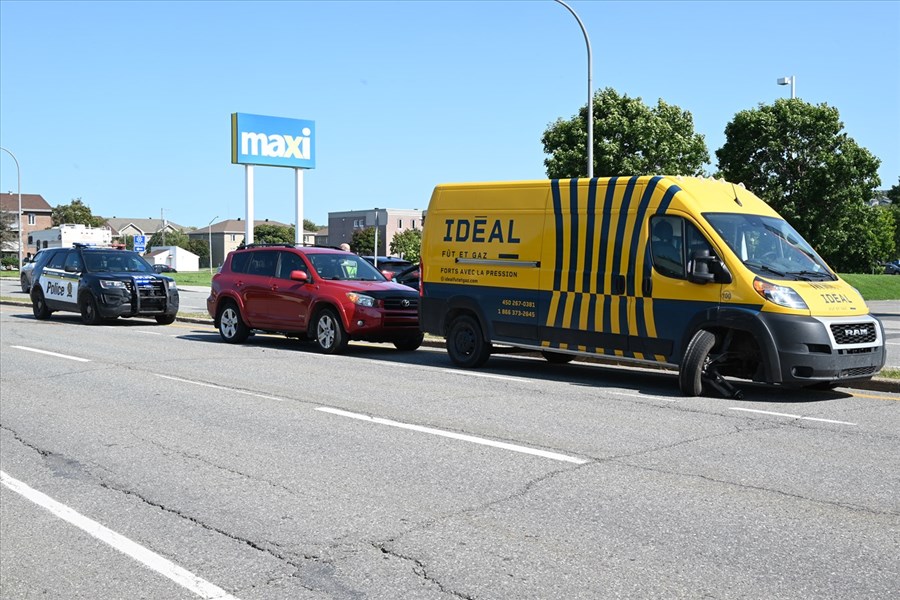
pixel 466 344
pixel 695 366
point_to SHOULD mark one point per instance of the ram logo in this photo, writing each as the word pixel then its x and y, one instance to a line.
pixel 856 332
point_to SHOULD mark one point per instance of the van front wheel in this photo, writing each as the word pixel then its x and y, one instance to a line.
pixel 465 343
pixel 695 364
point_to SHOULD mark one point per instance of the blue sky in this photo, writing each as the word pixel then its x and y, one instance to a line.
pixel 127 104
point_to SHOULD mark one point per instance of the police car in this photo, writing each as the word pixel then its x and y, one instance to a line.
pixel 101 284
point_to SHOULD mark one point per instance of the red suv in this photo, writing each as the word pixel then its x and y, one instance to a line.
pixel 323 294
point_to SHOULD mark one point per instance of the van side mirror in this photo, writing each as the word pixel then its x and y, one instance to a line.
pixel 300 276
pixel 704 268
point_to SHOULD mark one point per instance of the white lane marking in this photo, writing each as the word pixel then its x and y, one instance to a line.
pixel 148 558
pixel 485 375
pixel 645 396
pixel 149 332
pixel 56 354
pixel 221 387
pixel 765 412
pixel 455 436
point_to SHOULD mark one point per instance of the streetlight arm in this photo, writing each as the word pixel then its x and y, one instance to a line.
pixel 590 103
pixel 19 192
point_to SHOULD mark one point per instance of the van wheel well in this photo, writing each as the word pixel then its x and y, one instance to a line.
pixel 740 355
pixel 454 313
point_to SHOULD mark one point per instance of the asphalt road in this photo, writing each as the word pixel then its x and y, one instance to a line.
pixel 147 461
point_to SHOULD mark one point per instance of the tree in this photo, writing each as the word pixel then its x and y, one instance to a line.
pixel 7 234
pixel 796 157
pixel 310 226
pixel 893 195
pixel 198 247
pixel 363 241
pixel 273 234
pixel 407 244
pixel 75 212
pixel 630 138
pixel 172 238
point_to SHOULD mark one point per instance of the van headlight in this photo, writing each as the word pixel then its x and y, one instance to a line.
pixel 361 299
pixel 779 294
pixel 111 284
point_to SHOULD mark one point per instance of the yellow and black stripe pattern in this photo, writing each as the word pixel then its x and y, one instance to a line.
pixel 597 256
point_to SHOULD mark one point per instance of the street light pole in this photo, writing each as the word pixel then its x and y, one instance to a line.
pixel 792 81
pixel 19 192
pixel 209 231
pixel 590 104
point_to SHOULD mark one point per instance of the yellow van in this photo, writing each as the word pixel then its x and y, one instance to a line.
pixel 693 273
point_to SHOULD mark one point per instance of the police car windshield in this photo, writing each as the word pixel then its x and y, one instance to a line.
pixel 344 267
pixel 769 245
pixel 115 261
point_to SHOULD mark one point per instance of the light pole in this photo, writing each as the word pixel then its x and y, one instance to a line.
pixel 590 104
pixel 19 192
pixel 209 231
pixel 792 81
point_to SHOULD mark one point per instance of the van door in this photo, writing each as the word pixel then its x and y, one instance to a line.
pixel 677 305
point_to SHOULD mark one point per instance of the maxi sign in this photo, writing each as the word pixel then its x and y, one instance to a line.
pixel 272 141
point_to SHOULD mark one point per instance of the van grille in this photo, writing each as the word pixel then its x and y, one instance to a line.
pixel 854 333
pixel 857 372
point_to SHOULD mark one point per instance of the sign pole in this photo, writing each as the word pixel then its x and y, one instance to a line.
pixel 298 191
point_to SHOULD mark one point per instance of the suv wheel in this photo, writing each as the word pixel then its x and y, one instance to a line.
pixel 165 319
pixel 329 333
pixel 89 313
pixel 23 282
pixel 231 326
pixel 39 305
pixel 410 343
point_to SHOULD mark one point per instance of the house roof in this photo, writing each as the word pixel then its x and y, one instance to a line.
pixel 234 226
pixel 30 202
pixel 147 226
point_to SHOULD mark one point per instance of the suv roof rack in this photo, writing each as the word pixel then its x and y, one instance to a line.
pixel 276 245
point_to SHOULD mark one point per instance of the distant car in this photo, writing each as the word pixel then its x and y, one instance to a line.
pixel 164 269
pixel 892 268
pixel 388 265
pixel 25 273
pixel 408 276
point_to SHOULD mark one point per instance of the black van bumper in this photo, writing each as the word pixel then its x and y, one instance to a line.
pixel 823 350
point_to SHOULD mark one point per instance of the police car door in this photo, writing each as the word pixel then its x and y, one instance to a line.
pixel 59 281
pixel 677 304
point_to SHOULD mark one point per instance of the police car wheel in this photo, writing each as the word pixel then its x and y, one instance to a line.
pixel 409 344
pixel 24 283
pixel 694 364
pixel 231 326
pixel 165 319
pixel 330 336
pixel 465 343
pixel 39 305
pixel 90 315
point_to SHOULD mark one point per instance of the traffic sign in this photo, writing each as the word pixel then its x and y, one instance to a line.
pixel 140 243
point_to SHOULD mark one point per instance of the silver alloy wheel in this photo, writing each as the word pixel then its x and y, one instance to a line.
pixel 228 323
pixel 325 331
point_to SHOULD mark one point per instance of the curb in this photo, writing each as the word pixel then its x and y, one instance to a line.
pixel 876 384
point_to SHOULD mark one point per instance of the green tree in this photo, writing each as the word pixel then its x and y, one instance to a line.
pixel 273 234
pixel 172 238
pixel 75 212
pixel 7 234
pixel 893 195
pixel 796 157
pixel 407 244
pixel 363 241
pixel 199 247
pixel 630 138
pixel 310 226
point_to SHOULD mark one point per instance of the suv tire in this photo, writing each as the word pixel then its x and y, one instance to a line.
pixel 231 326
pixel 328 332
pixel 165 319
pixel 409 344
pixel 90 315
pixel 39 305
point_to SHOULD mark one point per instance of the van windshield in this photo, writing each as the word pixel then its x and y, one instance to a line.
pixel 769 246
